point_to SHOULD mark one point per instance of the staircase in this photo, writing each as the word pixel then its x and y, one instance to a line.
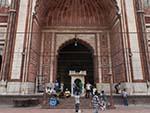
pixel 69 103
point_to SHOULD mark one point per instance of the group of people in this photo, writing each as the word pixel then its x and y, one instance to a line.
pixel 51 93
pixel 54 91
pixel 123 92
pixel 98 100
pixel 58 90
pixel 90 90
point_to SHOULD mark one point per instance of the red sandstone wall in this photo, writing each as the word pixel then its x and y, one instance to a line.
pixel 47 54
pixel 3 18
pixel 34 59
pixel 104 49
pixel 3 10
pixel 117 54
pixel 147 11
pixel 147 15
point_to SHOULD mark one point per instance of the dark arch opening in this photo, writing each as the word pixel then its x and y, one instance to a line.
pixel 74 55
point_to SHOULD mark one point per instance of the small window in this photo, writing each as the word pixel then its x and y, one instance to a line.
pixel 5 3
pixel 146 3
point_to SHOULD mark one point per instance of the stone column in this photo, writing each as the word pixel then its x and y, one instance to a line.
pixel 42 54
pixel 134 47
pixel 28 39
pixel 98 59
pixel 52 59
pixel 9 40
pixel 100 85
pixel 122 17
pixel 18 54
pixel 109 54
pixel 9 43
pixel 96 75
pixel 134 43
pixel 142 33
pixel 17 60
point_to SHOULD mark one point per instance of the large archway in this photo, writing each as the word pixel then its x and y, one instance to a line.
pixel 74 55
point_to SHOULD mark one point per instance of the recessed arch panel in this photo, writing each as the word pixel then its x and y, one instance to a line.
pixel 76 12
pixel 75 55
pixel 85 39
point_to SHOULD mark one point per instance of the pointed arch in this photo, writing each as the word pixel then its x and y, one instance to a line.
pixel 75 57
pixel 86 44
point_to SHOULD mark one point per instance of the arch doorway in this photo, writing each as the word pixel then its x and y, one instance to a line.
pixel 75 55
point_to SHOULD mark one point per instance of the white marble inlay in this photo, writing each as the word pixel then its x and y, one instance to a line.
pixel 134 43
pixel 16 68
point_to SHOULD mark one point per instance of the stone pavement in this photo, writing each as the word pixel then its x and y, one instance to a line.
pixel 119 109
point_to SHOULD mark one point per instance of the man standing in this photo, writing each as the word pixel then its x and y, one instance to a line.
pixel 103 100
pixel 88 89
pixel 117 87
pixel 125 97
pixel 76 92
pixel 77 103
pixel 148 86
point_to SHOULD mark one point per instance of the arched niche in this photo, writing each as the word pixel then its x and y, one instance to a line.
pixel 76 55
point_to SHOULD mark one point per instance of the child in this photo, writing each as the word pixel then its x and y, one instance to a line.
pixel 103 100
pixel 67 93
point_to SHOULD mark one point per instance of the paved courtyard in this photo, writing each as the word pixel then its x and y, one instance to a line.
pixel 119 109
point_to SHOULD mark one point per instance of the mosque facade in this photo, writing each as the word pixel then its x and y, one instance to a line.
pixel 41 41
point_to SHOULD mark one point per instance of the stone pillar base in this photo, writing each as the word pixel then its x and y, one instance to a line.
pixel 103 86
pixel 139 88
pixel 20 88
pixel 13 87
pixel 128 87
pixel 27 88
pixel 135 88
pixel 49 85
pixel 132 88
pixel 3 87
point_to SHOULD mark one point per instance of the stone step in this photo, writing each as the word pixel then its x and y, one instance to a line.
pixel 69 103
pixel 133 99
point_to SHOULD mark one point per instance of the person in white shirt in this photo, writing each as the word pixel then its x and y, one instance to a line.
pixel 53 91
pixel 67 93
pixel 94 90
pixel 88 89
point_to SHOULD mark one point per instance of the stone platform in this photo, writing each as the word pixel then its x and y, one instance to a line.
pixel 68 103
